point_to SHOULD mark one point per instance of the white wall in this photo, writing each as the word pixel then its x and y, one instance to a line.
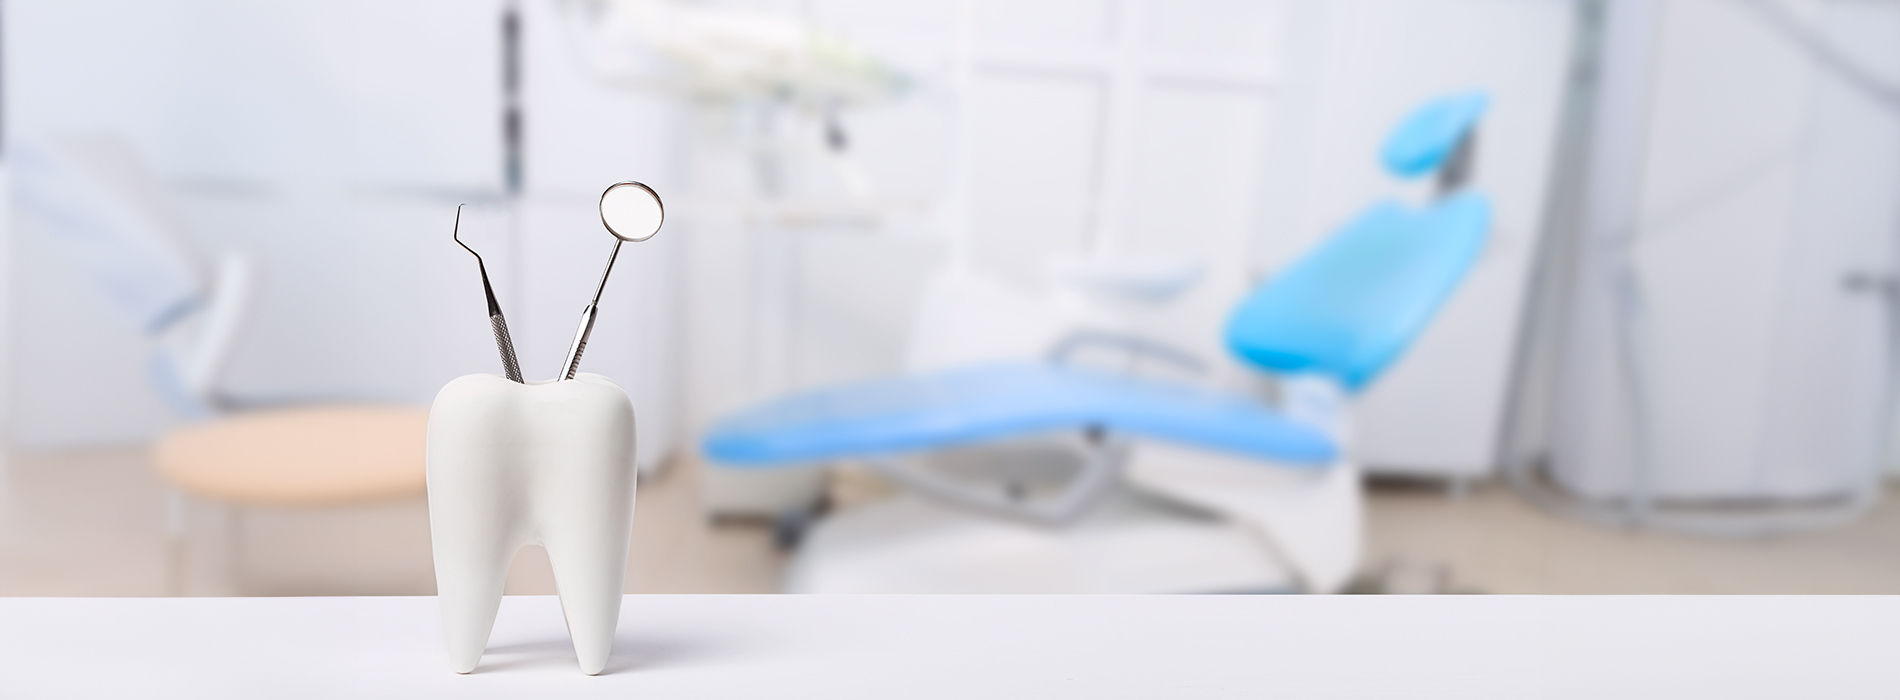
pixel 333 141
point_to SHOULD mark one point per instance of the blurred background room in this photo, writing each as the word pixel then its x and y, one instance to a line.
pixel 1385 296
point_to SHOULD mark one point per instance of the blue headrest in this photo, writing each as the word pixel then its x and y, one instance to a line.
pixel 1350 307
pixel 1430 133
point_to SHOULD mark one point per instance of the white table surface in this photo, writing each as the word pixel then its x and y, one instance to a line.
pixel 969 647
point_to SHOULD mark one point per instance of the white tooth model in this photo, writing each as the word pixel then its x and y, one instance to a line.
pixel 514 464
pixel 547 463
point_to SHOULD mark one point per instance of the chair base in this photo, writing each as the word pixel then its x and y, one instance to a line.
pixel 1128 544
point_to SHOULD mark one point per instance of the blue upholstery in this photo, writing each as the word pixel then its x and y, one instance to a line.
pixel 1347 310
pixel 1352 306
pixel 998 400
pixel 1431 133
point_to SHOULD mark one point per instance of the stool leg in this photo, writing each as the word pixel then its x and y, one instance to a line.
pixel 234 547
pixel 177 512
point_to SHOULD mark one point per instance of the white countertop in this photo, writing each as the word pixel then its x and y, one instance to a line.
pixel 970 647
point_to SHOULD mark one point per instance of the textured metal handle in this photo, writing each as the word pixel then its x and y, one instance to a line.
pixel 509 366
pixel 574 351
pixel 576 366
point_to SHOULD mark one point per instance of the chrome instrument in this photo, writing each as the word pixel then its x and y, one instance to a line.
pixel 509 366
pixel 632 212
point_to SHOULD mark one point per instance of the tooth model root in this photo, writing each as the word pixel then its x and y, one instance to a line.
pixel 517 464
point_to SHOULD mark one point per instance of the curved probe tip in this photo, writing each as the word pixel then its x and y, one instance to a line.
pixel 458 233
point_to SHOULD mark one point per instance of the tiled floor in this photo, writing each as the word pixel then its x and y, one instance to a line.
pixel 1493 541
pixel 91 523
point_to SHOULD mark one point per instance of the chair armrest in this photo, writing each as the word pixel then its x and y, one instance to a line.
pixel 1136 347
pixel 1102 458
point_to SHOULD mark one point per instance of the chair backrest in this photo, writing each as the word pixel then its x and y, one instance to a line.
pixel 91 195
pixel 1352 306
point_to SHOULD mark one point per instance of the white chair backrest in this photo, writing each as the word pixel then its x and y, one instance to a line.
pixel 92 196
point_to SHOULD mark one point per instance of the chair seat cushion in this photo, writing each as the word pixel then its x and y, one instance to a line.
pixel 317 455
pixel 999 400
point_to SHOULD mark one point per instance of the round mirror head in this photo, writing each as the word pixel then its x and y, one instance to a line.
pixel 631 211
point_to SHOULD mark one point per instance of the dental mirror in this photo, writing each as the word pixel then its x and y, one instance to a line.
pixel 631 212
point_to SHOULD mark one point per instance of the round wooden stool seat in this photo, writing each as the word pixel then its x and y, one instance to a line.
pixel 319 455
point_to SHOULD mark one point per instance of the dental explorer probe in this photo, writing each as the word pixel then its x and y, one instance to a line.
pixel 507 345
pixel 632 212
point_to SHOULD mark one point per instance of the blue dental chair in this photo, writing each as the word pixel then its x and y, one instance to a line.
pixel 1042 446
